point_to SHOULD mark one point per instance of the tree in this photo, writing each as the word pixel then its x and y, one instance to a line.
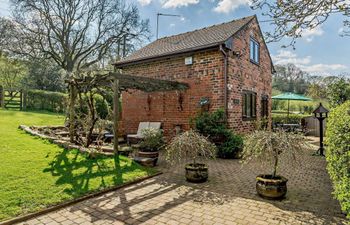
pixel 77 33
pixel 6 26
pixel 45 75
pixel 289 78
pixel 292 17
pixel 339 91
pixel 12 72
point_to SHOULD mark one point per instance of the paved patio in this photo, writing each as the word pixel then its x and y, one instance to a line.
pixel 229 197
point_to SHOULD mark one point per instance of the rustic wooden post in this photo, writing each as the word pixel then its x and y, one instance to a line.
pixel 72 97
pixel 20 100
pixel 24 101
pixel 2 97
pixel 115 115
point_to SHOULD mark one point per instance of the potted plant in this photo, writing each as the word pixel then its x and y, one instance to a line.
pixel 270 147
pixel 151 143
pixel 190 145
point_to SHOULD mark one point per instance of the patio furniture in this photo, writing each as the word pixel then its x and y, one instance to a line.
pixel 135 138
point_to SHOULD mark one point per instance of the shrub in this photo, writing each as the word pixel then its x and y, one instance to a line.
pixel 152 140
pixel 189 145
pixel 338 153
pixel 292 118
pixel 269 146
pixel 213 126
pixel 231 147
pixel 46 100
pixel 101 106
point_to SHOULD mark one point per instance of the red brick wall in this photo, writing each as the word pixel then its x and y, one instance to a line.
pixel 204 76
pixel 206 79
pixel 245 75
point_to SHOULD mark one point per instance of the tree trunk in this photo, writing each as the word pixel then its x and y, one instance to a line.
pixel 275 165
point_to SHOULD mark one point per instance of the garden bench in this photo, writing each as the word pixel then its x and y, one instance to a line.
pixel 134 138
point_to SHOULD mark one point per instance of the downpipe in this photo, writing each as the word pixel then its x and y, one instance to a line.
pixel 225 81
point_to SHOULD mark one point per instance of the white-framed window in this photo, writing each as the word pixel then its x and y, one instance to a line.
pixel 254 51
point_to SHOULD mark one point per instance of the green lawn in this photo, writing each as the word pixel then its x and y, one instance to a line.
pixel 35 173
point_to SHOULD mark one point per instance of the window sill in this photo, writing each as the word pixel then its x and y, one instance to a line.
pixel 255 63
pixel 249 118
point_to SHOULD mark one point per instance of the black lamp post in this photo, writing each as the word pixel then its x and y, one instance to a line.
pixel 321 113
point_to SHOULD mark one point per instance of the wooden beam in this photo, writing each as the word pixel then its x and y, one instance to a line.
pixel 115 115
pixel 72 97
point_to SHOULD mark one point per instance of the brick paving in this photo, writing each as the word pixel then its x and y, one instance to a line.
pixel 229 197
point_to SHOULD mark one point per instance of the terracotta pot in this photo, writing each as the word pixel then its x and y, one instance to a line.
pixel 196 173
pixel 271 187
pixel 153 155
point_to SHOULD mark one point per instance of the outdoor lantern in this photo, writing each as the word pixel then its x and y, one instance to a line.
pixel 321 113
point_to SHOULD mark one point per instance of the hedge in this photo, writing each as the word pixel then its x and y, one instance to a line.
pixel 46 100
pixel 283 118
pixel 338 153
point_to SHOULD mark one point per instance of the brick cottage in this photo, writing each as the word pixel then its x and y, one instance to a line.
pixel 226 66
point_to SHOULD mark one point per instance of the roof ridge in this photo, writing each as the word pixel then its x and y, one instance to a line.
pixel 207 27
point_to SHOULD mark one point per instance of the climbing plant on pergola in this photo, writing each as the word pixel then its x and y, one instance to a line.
pixel 118 82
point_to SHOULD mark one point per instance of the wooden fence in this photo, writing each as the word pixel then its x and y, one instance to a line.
pixel 313 126
pixel 12 98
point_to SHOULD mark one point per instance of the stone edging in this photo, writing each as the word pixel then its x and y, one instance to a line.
pixel 64 144
pixel 74 201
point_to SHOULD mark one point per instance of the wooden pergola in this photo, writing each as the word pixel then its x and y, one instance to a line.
pixel 117 82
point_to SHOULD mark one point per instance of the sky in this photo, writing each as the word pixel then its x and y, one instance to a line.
pixel 321 51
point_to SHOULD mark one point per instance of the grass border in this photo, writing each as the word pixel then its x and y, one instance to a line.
pixel 74 201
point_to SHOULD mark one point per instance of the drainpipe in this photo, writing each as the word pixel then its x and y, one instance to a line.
pixel 225 80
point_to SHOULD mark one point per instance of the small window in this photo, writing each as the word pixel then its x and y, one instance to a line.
pixel 254 51
pixel 249 105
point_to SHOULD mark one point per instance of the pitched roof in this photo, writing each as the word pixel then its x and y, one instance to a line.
pixel 193 40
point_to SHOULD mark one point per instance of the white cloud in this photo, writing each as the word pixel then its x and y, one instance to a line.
pixel 309 35
pixel 144 2
pixel 304 63
pixel 285 57
pixel 226 6
pixel 323 68
pixel 178 3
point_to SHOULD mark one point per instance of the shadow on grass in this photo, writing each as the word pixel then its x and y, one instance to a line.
pixel 84 174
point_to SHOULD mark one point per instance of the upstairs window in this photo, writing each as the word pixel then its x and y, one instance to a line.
pixel 254 51
pixel 249 105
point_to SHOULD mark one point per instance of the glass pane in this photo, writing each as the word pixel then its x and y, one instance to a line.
pixel 253 105
pixel 256 52
pixel 249 105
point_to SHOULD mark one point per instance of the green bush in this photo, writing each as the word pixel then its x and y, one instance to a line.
pixel 231 147
pixel 338 153
pixel 101 106
pixel 283 118
pixel 213 126
pixel 46 100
